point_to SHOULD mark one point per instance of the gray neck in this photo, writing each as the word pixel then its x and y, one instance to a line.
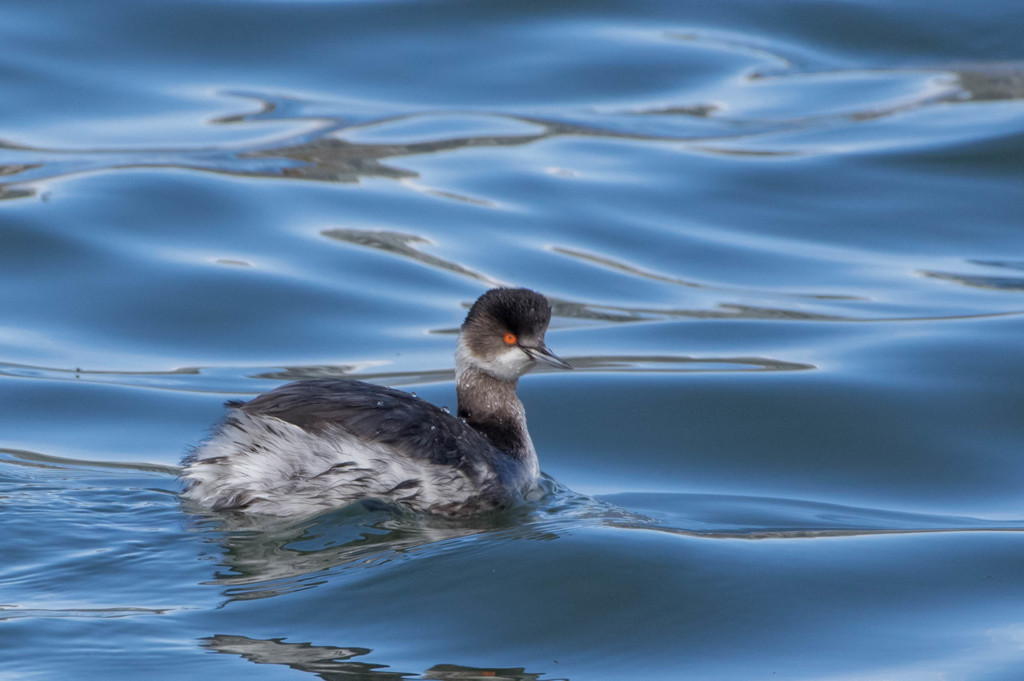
pixel 490 407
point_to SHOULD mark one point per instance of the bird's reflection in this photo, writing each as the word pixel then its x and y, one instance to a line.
pixel 332 663
pixel 261 557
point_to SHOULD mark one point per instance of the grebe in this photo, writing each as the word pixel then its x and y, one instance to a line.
pixel 310 446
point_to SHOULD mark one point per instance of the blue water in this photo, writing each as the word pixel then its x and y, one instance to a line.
pixel 784 245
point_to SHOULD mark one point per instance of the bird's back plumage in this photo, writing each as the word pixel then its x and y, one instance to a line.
pixel 344 440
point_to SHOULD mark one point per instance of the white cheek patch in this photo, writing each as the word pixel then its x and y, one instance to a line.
pixel 508 366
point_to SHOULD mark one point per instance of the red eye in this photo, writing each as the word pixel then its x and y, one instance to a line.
pixel 510 338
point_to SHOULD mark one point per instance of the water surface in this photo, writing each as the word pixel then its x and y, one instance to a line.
pixel 783 245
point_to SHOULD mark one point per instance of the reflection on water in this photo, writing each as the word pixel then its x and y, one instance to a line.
pixel 265 561
pixel 365 371
pixel 618 265
pixel 336 551
pixel 264 557
pixel 335 663
pixel 16 612
pixel 320 151
pixel 24 457
pixel 402 245
pixel 993 282
pixel 715 516
pixel 676 364
pixel 407 246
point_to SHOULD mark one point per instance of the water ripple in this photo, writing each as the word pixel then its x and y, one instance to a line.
pixel 268 557
pixel 318 149
pixel 14 612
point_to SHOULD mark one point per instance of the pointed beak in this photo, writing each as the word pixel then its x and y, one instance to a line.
pixel 544 355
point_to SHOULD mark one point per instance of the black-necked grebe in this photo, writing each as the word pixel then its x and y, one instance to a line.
pixel 310 446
